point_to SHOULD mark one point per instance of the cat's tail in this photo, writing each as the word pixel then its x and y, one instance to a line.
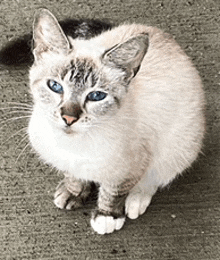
pixel 19 52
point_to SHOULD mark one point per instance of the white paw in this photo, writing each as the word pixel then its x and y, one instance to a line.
pixel 106 224
pixel 136 204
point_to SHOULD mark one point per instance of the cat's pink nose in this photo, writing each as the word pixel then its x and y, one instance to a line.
pixel 69 120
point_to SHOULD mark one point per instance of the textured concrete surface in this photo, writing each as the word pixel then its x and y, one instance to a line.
pixel 183 221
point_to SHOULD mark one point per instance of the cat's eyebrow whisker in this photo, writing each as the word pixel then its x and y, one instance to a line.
pixel 22 129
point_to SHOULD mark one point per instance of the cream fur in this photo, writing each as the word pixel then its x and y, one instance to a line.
pixel 155 135
pixel 167 104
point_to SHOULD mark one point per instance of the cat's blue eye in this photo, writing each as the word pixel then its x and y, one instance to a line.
pixel 54 86
pixel 96 96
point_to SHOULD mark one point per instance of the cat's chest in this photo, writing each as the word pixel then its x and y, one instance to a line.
pixel 81 155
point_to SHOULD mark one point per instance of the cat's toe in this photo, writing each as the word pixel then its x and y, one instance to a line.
pixel 71 195
pixel 61 198
pixel 106 224
pixel 64 199
pixel 136 204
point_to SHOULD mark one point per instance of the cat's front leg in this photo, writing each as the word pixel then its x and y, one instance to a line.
pixel 71 193
pixel 110 214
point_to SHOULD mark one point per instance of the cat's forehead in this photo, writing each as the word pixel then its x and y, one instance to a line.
pixel 80 72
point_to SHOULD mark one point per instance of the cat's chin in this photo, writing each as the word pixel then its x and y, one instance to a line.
pixel 69 130
pixel 73 130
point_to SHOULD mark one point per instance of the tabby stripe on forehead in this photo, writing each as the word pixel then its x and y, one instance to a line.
pixel 86 76
pixel 64 73
pixel 81 73
pixel 76 71
pixel 94 78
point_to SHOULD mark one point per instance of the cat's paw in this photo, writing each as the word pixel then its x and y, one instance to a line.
pixel 64 199
pixel 106 224
pixel 136 204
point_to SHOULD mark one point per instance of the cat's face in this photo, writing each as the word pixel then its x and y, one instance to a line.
pixel 77 94
pixel 77 91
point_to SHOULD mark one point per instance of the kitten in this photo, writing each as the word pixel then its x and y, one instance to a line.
pixel 123 109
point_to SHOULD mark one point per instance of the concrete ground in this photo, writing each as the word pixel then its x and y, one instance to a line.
pixel 183 221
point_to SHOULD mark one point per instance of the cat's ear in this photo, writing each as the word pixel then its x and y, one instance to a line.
pixel 128 55
pixel 47 34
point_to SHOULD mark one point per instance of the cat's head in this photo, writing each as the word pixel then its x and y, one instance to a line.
pixel 75 83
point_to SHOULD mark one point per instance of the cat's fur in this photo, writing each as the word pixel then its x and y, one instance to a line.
pixel 147 130
pixel 18 52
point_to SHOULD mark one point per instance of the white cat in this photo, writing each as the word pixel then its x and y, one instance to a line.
pixel 123 109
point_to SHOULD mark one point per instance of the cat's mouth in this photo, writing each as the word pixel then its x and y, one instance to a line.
pixel 68 130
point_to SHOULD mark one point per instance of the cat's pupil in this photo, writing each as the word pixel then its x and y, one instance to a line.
pixel 96 96
pixel 54 86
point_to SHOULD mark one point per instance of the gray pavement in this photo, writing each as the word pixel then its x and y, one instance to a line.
pixel 182 222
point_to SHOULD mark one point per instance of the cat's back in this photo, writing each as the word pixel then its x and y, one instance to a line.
pixel 166 96
pixel 166 73
pixel 164 56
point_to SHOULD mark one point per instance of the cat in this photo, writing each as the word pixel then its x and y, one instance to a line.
pixel 123 109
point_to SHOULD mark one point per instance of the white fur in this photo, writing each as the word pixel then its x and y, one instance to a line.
pixel 140 196
pixel 88 48
pixel 106 224
pixel 159 127
pixel 84 156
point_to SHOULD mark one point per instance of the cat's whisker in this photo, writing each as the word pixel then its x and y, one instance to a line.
pixel 24 137
pixel 28 144
pixel 22 129
pixel 18 111
pixel 13 119
pixel 54 170
pixel 20 104
pixel 16 107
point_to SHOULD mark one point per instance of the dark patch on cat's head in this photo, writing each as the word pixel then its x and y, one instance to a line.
pixel 84 28
pixel 83 72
